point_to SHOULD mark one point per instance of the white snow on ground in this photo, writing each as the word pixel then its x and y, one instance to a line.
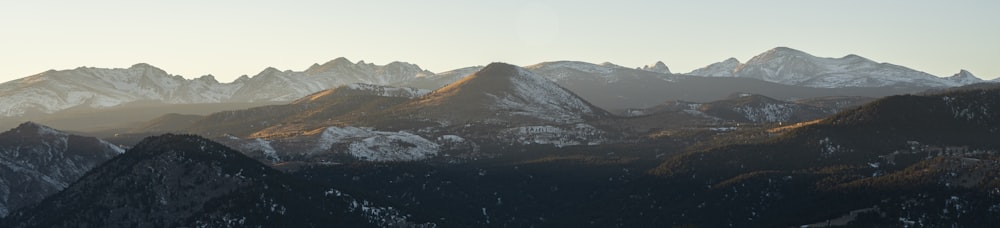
pixel 540 98
pixel 386 91
pixel 968 111
pixel 451 139
pixel 371 145
pixel 578 134
pixel 362 143
pixel 572 70
pixel 719 69
pixel 828 148
pixel 766 113
pixel 574 65
pixel 269 152
pixel 393 147
pixel 383 216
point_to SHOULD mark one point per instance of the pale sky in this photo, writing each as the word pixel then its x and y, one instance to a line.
pixel 232 38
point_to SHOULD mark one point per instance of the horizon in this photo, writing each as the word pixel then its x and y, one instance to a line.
pixel 230 39
pixel 358 61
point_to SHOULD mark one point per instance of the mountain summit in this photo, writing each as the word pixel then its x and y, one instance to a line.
pixel 53 91
pixel 964 77
pixel 503 91
pixel 658 67
pixel 725 68
pixel 793 67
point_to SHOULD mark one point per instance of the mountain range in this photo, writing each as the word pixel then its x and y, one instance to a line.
pixel 615 88
pixel 97 88
pixel 404 124
pixel 500 104
pixel 787 139
pixel 793 67
pixel 54 91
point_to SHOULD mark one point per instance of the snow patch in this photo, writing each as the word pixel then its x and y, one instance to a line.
pixel 829 149
pixel 386 91
pixel 265 147
pixel 371 145
pixel 766 112
pixel 578 134
pixel 451 139
pixel 539 98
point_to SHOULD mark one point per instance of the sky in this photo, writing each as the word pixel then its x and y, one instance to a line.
pixel 232 38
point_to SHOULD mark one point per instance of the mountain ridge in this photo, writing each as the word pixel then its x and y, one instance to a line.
pixel 53 91
pixel 99 88
pixel 794 67
pixel 514 88
pixel 183 180
pixel 38 161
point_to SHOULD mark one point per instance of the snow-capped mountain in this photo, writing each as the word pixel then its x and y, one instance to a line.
pixel 793 67
pixel 725 68
pixel 964 77
pixel 607 85
pixel 363 122
pixel 436 81
pixel 308 113
pixel 562 71
pixel 658 67
pixel 274 85
pixel 37 161
pixel 618 88
pixel 54 91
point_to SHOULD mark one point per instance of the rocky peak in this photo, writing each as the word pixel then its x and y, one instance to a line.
pixel 726 68
pixel 330 65
pixel 964 77
pixel 35 128
pixel 658 67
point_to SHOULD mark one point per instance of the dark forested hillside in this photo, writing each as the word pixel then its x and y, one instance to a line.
pixel 903 158
pixel 180 180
